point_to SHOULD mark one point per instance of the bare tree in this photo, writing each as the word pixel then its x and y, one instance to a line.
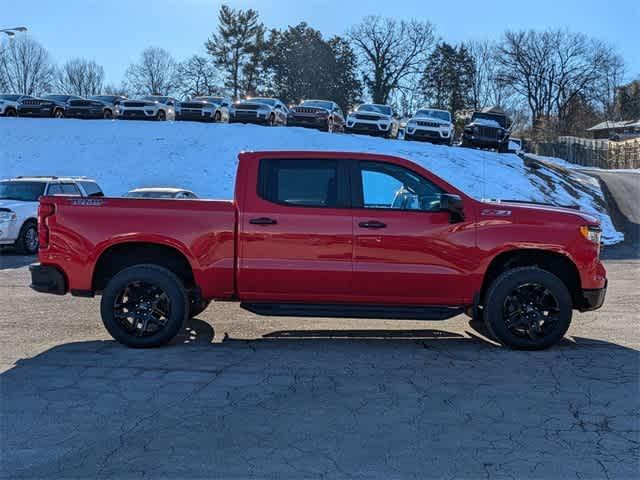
pixel 197 76
pixel 80 77
pixel 113 89
pixel 25 66
pixel 392 52
pixel 551 69
pixel 154 74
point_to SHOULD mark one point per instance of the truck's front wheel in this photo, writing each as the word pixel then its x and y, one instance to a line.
pixel 528 308
pixel 144 306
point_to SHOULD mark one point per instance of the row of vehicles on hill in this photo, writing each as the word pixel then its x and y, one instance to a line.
pixel 487 129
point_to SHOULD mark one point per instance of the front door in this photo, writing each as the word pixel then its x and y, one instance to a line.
pixel 296 239
pixel 406 249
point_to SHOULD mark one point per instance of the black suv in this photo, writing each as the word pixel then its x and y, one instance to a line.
pixel 47 106
pixel 487 129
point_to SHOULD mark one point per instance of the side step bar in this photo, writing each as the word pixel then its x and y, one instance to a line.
pixel 353 311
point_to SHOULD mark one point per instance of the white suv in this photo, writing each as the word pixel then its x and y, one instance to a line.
pixel 19 206
pixel 431 124
pixel 152 107
pixel 373 119
pixel 9 104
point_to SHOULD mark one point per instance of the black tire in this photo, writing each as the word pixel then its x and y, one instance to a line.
pixel 503 148
pixel 174 298
pixel 196 308
pixel 11 112
pixel 108 114
pixel 217 117
pixel 28 234
pixel 330 125
pixel 272 120
pixel 161 116
pixel 537 333
pixel 58 113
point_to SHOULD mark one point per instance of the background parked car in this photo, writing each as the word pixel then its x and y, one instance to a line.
pixel 87 108
pixel 205 109
pixel 19 206
pixel 151 107
pixel 374 119
pixel 9 104
pixel 431 124
pixel 488 129
pixel 323 114
pixel 46 106
pixel 161 192
pixel 267 111
pixel 111 103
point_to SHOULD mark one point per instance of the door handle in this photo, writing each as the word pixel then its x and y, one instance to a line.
pixel 263 221
pixel 372 224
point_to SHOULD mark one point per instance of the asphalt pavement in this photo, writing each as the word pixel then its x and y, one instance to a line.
pixel 240 396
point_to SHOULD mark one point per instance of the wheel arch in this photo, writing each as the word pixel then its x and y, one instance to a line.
pixel 554 262
pixel 121 255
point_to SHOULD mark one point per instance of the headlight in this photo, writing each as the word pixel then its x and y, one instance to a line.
pixel 591 233
pixel 7 216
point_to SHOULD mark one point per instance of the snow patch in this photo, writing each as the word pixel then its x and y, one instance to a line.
pixel 122 155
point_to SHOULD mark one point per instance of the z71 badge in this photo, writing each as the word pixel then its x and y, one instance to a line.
pixel 87 202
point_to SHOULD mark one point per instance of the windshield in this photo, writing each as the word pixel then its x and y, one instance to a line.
pixel 317 104
pixel 439 114
pixel 23 191
pixel 57 98
pixel 12 98
pixel 384 109
pixel 491 117
pixel 151 194
pixel 103 98
pixel 208 99
pixel 152 98
pixel 266 101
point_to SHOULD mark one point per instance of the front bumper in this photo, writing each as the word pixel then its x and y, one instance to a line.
pixel 35 111
pixel 194 115
pixel 592 299
pixel 249 116
pixel 47 279
pixel 368 127
pixel 431 135
pixel 84 113
pixel 307 121
pixel 135 114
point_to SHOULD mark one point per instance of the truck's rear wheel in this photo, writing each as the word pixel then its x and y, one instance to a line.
pixel 528 308
pixel 144 306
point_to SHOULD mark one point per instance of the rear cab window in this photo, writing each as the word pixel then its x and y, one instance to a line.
pixel 315 183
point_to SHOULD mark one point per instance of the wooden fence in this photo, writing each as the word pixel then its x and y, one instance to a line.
pixel 592 153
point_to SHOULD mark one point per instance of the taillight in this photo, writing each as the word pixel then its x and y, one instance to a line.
pixel 45 210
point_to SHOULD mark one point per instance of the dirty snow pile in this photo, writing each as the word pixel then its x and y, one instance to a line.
pixel 122 155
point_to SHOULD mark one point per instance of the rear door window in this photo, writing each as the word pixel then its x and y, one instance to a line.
pixel 302 183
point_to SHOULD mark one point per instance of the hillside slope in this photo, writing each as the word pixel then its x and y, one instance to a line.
pixel 202 157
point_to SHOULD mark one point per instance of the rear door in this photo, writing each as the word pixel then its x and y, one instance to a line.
pixel 406 250
pixel 296 231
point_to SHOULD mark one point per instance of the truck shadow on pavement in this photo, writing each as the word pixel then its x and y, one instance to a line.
pixel 294 404
pixel 10 259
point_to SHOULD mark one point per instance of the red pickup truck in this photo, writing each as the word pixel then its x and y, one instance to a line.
pixel 326 235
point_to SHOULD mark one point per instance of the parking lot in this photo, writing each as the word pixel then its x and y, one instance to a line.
pixel 239 396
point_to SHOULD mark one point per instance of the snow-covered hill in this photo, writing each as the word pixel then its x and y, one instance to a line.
pixel 202 157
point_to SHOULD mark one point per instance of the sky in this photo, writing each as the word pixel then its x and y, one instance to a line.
pixel 114 32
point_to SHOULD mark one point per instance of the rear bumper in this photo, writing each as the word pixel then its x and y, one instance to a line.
pixel 47 279
pixel 592 299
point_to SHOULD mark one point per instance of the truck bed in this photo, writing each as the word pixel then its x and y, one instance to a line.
pixel 83 229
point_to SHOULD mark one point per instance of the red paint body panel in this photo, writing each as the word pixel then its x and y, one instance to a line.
pixel 318 255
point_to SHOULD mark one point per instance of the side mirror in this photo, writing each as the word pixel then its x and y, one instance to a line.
pixel 454 205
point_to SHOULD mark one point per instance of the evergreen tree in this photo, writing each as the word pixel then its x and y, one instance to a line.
pixel 447 80
pixel 234 47
pixel 302 65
